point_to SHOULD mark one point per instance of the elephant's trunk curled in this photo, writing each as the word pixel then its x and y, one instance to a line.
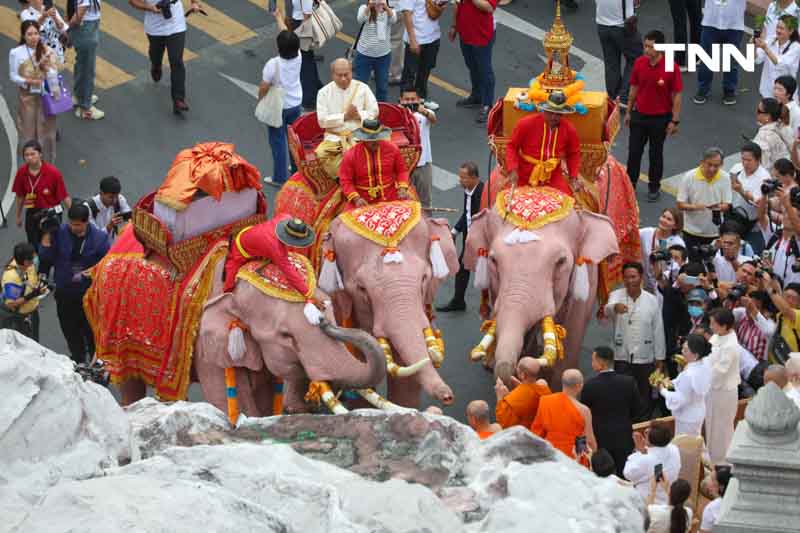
pixel 373 371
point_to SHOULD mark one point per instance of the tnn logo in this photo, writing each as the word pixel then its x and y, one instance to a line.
pixel 695 53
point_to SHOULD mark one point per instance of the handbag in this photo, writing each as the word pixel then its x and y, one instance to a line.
pixel 351 52
pixel 319 28
pixel 435 9
pixel 269 109
pixel 778 347
pixel 60 103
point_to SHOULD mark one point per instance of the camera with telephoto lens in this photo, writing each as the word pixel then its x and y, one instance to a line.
pixel 660 255
pixel 166 8
pixel 95 372
pixel 49 220
pixel 737 291
pixel 769 186
pixel 705 252
pixel 413 106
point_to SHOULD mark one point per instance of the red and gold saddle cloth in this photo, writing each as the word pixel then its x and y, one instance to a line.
pixel 271 280
pixel 533 207
pixel 385 223
pixel 145 316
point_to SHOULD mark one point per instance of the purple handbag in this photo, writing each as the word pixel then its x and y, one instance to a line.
pixel 55 105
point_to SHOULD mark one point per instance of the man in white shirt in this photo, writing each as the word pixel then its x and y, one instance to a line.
pixel 84 31
pixel 746 180
pixel 723 23
pixel 166 29
pixel 422 39
pixel 729 256
pixel 639 342
pixel 640 467
pixel 422 177
pixel 109 210
pixel 470 180
pixel 620 39
pixel 342 105
pixel 703 195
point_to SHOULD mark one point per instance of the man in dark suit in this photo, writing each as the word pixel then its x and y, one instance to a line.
pixel 470 180
pixel 614 401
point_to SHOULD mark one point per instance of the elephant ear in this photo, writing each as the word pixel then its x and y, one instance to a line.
pixel 599 240
pixel 478 239
pixel 440 228
pixel 214 336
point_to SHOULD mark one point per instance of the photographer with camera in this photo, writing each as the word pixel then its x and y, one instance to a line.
pixel 782 253
pixel 752 318
pixel 422 177
pixel 165 27
pixel 746 179
pixel 786 334
pixel 38 186
pixel 74 248
pixel 21 292
pixel 729 257
pixel 704 194
pixel 109 210
pixel 655 243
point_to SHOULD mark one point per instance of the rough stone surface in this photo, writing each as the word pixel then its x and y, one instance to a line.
pixel 190 471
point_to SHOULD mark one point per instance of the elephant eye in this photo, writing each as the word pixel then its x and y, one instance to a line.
pixel 561 261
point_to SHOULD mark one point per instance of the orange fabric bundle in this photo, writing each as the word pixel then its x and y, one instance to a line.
pixel 212 167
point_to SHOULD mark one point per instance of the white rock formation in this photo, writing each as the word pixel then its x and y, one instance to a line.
pixel 61 440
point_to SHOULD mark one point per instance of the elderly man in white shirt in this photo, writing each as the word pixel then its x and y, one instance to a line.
pixel 721 404
pixel 639 342
pixel 342 105
pixel 640 467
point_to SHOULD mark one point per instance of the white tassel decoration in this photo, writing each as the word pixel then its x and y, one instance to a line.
pixel 313 315
pixel 330 280
pixel 438 263
pixel 393 257
pixel 236 345
pixel 580 282
pixel 520 236
pixel 482 272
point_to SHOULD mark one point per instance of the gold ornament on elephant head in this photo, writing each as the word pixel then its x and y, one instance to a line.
pixel 557 72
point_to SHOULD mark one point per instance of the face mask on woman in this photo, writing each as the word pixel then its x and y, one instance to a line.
pixel 695 311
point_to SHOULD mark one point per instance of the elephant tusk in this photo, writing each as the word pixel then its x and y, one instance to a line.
pixel 395 370
pixel 320 391
pixel 553 337
pixel 378 401
pixel 483 351
pixel 435 347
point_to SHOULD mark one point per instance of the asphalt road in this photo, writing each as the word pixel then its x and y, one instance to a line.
pixel 139 137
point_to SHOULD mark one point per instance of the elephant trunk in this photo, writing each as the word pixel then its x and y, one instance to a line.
pixel 368 374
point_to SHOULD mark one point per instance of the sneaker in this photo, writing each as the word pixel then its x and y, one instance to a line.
pixel 653 196
pixel 483 115
pixel 268 179
pixel 468 101
pixel 700 99
pixel 729 99
pixel 430 104
pixel 178 106
pixel 89 114
pixel 75 100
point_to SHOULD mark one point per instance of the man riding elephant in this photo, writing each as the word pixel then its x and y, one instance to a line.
pixel 269 240
pixel 540 142
pixel 373 170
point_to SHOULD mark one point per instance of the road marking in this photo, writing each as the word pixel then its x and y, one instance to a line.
pixel 593 69
pixel 444 180
pixel 447 86
pixel 220 26
pixel 13 140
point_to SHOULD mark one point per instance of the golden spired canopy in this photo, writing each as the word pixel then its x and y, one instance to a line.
pixel 557 42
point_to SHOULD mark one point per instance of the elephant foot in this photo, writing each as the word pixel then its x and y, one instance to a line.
pixel 504 370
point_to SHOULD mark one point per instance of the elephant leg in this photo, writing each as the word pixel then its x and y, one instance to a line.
pixel 255 392
pixel 294 392
pixel 212 381
pixel 404 391
pixel 132 391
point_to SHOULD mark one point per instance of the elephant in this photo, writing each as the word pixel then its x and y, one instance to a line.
pixel 390 299
pixel 532 283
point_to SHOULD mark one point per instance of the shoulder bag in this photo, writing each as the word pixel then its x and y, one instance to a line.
pixel 320 27
pixel 434 9
pixel 59 103
pixel 269 109
pixel 351 52
pixel 778 347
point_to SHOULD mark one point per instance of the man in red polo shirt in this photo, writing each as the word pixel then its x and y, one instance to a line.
pixel 38 186
pixel 474 24
pixel 654 106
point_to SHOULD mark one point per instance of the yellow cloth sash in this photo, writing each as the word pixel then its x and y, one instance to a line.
pixel 239 244
pixel 542 168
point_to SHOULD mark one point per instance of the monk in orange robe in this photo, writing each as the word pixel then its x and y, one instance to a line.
pixel 478 418
pixel 562 418
pixel 519 407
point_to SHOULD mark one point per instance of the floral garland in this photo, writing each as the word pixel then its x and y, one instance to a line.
pixel 530 100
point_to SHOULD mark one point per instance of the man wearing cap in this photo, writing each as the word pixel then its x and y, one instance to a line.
pixel 540 142
pixel 269 240
pixel 373 170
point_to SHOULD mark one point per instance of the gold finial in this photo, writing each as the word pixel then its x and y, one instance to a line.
pixel 557 42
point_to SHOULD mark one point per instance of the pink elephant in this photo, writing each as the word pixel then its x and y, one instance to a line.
pixel 279 342
pixel 390 298
pixel 533 280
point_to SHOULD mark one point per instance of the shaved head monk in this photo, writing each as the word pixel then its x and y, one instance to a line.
pixel 478 418
pixel 518 407
pixel 776 374
pixel 561 418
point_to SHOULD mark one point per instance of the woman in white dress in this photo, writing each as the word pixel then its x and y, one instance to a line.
pixel 780 57
pixel 675 517
pixel 30 64
pixel 52 28
pixel 688 401
pixel 722 402
pixel 666 234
